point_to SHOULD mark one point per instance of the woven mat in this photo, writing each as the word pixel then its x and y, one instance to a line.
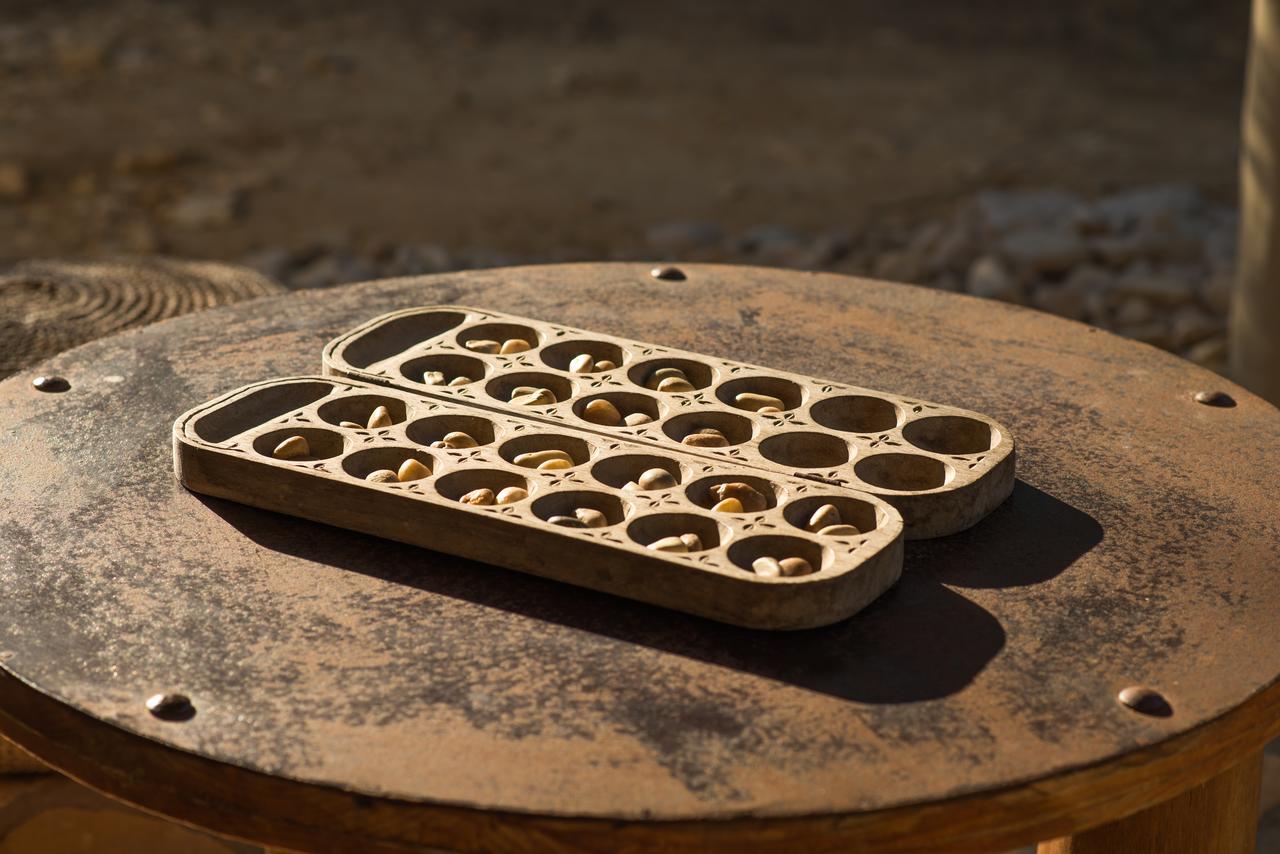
pixel 50 306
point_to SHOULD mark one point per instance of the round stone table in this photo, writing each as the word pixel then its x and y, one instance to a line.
pixel 350 693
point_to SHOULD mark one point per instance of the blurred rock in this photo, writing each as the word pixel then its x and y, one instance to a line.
pixel 1001 211
pixel 78 52
pixel 1216 289
pixel 417 260
pixel 1033 251
pixel 676 237
pixel 273 261
pixel 1133 311
pixel 1147 204
pixel 899 266
pixel 1191 325
pixel 15 182
pixel 1210 353
pixel 331 268
pixel 1154 333
pixel 1156 287
pixel 988 278
pixel 205 209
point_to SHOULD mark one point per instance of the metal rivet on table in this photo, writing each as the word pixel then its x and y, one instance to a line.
pixel 668 274
pixel 51 384
pixel 171 707
pixel 1145 701
pixel 1215 398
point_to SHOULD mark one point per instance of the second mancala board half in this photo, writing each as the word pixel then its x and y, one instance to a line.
pixel 227 448
pixel 943 468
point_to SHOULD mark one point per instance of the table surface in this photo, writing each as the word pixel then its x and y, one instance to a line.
pixel 452 701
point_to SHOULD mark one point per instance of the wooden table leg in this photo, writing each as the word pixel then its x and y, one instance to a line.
pixel 1220 815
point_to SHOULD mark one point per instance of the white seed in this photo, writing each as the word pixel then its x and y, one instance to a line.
pixel 601 411
pixel 656 478
pixel 567 521
pixel 793 566
pixel 382 476
pixel 457 381
pixel 533 459
pixel 457 440
pixel 752 500
pixel 839 531
pixel 705 440
pixel 380 417
pixel 591 518
pixel 482 345
pixel 439 443
pixel 292 448
pixel 582 364
pixel 512 494
pixel 631 486
pixel 482 497
pixel 515 345
pixel 823 517
pixel 351 425
pixel 635 419
pixel 692 542
pixel 766 567
pixel 555 465
pixel 434 378
pixel 729 505
pixel 768 410
pixel 669 544
pixel 605 365
pixel 541 397
pixel 752 401
pixel 412 469
pixel 674 385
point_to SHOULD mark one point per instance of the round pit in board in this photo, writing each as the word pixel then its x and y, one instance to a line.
pixel 671 376
pixel 374 465
pixel 299 444
pixel 444 370
pixel 483 487
pixel 436 428
pixel 398 335
pixel 529 389
pixel 678 533
pixel 505 339
pixel 805 450
pixel 903 472
pixel 585 508
pixel 954 435
pixel 761 394
pixel 617 472
pixel 816 512
pixel 856 413
pixel 583 357
pixel 722 429
pixel 618 409
pixel 779 556
pixel 733 493
pixel 362 411
pixel 542 450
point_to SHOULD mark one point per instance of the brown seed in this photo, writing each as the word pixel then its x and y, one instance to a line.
pixel 351 425
pixel 541 397
pixel 380 417
pixel 555 465
pixel 768 410
pixel 567 521
pixel 729 505
pixel 591 518
pixel 514 345
pixel 457 381
pixel 839 531
pixel 292 448
pixel 692 542
pixel 458 440
pixel 823 517
pixel 482 497
pixel 533 459
pixel 605 365
pixel 766 567
pixel 635 419
pixel 705 440
pixel 512 494
pixel 752 500
pixel 382 476
pixel 709 431
pixel 482 345
pixel 439 443
pixel 662 373
pixel 412 469
pixel 752 401
pixel 582 364
pixel 793 566
pixel 434 378
pixel 601 411
pixel 521 390
pixel 669 544
pixel 675 385
pixel 656 478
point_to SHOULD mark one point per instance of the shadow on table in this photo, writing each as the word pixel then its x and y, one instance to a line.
pixel 919 641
